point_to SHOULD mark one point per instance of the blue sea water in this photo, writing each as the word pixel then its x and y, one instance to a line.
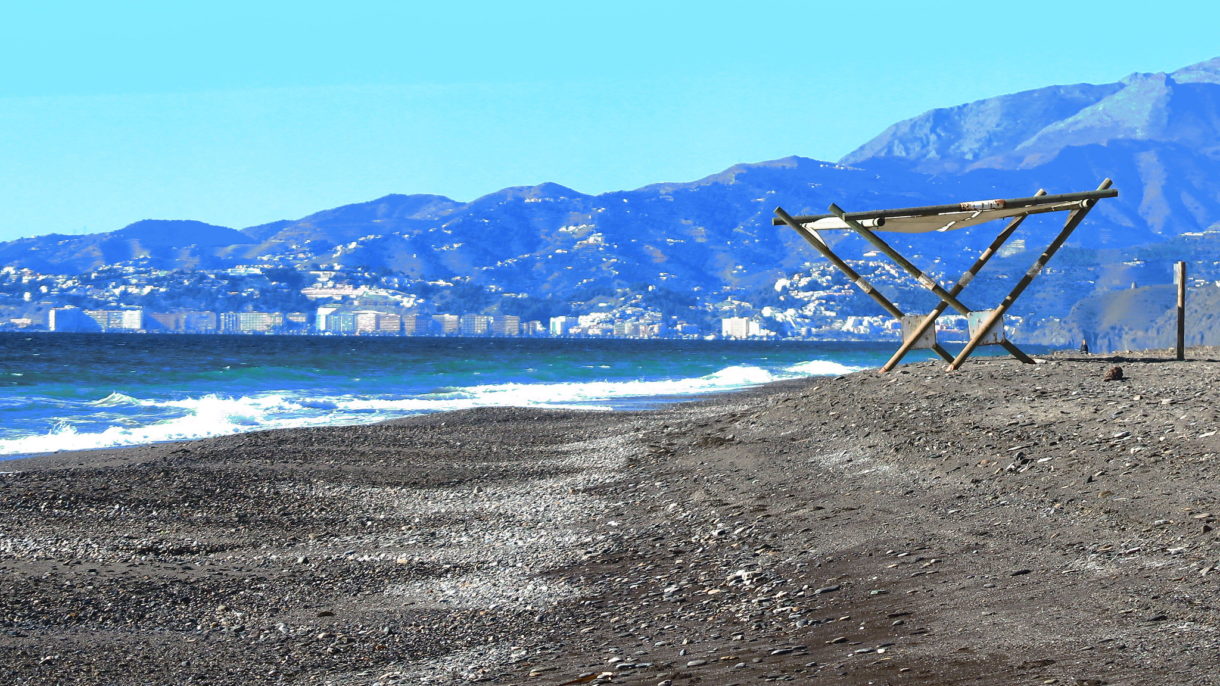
pixel 84 391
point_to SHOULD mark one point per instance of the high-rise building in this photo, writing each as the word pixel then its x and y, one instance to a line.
pixel 416 325
pixel 735 327
pixel 199 322
pixel 474 324
pixel 627 329
pixel 506 325
pixel 374 322
pixel 251 322
pixel 562 326
pixel 366 321
pixel 117 320
pixel 321 317
pixel 389 324
pixel 341 322
pixel 447 324
pixel 132 320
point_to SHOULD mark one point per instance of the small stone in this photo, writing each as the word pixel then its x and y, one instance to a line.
pixel 696 663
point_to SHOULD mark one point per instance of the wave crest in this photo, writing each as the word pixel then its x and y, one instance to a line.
pixel 215 415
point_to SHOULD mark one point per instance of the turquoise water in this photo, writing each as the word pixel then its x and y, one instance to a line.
pixel 82 391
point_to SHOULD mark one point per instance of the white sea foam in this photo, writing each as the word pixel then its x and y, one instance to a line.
pixel 584 394
pixel 217 415
pixel 205 417
pixel 821 368
pixel 115 400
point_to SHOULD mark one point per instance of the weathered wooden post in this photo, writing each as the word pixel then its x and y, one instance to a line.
pixel 815 240
pixel 997 314
pixel 1179 277
pixel 961 284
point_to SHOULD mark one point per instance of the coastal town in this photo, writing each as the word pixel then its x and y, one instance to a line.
pixel 263 299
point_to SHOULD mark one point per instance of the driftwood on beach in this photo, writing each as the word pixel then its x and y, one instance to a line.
pixel 1003 524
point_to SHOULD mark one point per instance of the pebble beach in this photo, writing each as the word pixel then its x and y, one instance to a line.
pixel 1002 524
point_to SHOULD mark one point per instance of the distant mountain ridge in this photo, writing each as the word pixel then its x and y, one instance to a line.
pixel 1026 129
pixel 1156 135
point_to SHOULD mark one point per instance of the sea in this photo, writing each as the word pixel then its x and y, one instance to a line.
pixel 61 391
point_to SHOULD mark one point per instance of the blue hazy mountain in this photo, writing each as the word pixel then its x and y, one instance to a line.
pixel 168 243
pixel 1156 135
pixel 1028 129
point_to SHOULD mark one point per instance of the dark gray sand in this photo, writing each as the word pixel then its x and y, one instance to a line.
pixel 1004 524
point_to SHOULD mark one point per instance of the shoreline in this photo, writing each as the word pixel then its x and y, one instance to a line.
pixel 1005 523
pixel 112 454
pixel 248 386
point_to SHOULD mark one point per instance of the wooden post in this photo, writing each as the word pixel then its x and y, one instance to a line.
pixel 918 274
pixel 1069 226
pixel 852 274
pixel 961 284
pixel 1179 277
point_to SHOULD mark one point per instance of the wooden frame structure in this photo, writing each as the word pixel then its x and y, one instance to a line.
pixel 986 326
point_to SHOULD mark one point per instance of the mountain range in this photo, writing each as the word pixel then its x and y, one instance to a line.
pixel 1156 135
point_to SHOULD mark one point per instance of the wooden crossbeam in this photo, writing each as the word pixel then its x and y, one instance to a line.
pixel 919 276
pixel 948 298
pixel 852 274
pixel 966 278
pixel 1073 220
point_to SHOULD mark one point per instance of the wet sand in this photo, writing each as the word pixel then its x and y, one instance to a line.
pixel 1003 524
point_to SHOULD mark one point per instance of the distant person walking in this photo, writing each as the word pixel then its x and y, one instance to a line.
pixel 1084 347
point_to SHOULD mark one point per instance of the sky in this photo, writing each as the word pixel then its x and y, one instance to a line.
pixel 240 113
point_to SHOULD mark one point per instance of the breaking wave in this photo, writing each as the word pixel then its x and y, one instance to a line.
pixel 122 420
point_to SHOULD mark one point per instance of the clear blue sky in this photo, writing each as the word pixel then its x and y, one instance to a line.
pixel 239 113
